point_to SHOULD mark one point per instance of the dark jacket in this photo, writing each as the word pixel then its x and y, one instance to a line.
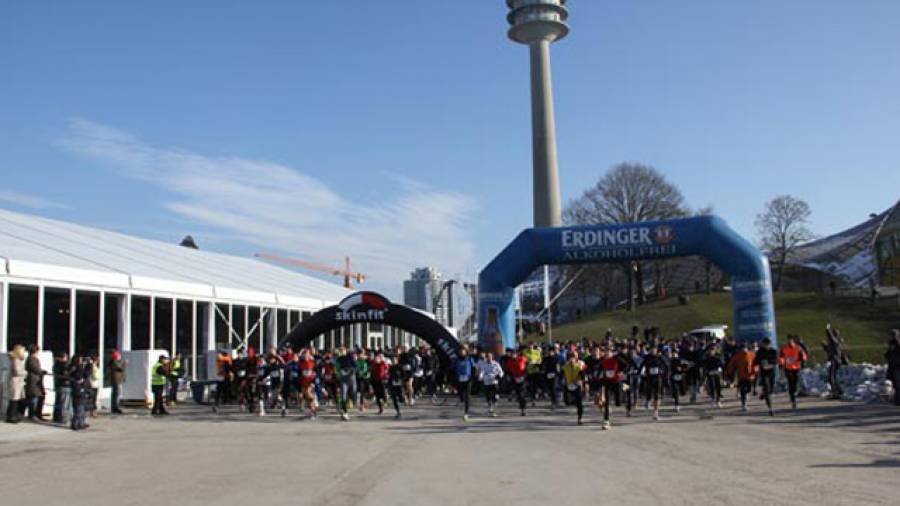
pixel 34 384
pixel 117 371
pixel 79 376
pixel 61 374
pixel 892 357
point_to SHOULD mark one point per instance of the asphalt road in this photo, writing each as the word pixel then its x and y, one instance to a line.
pixel 824 453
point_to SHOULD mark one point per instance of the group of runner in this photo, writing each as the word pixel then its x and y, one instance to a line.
pixel 619 372
pixel 309 378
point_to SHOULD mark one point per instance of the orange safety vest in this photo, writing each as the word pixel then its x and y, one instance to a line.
pixel 791 357
pixel 742 362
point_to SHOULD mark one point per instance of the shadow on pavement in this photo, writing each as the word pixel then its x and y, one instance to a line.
pixel 878 463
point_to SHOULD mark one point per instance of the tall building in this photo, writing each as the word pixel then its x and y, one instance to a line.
pixel 450 301
pixel 420 290
pixel 537 24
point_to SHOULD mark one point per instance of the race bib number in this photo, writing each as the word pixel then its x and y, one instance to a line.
pixel 241 374
pixel 715 372
pixel 407 367
pixel 572 387
pixel 791 360
pixel 276 374
pixel 308 372
pixel 463 379
pixel 551 375
pixel 397 383
pixel 327 377
pixel 347 372
pixel 676 377
pixel 610 374
pixel 654 371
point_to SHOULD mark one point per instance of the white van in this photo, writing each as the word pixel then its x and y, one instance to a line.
pixel 716 332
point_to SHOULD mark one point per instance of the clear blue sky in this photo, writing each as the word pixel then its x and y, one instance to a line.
pixel 321 128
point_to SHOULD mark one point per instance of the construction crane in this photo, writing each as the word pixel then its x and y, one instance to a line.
pixel 346 272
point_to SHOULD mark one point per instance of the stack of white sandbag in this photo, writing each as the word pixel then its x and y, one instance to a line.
pixel 860 382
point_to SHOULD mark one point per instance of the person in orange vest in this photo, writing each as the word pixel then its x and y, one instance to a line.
pixel 742 364
pixel 791 359
pixel 224 375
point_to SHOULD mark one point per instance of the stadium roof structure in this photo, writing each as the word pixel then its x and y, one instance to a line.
pixel 52 251
pixel 849 255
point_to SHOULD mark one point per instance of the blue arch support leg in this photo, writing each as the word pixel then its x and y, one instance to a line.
pixel 707 236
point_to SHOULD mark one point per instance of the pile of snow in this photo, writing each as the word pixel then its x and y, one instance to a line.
pixel 860 382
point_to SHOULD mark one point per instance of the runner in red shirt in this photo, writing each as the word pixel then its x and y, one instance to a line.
pixel 379 368
pixel 517 366
pixel 610 376
pixel 329 378
pixel 308 381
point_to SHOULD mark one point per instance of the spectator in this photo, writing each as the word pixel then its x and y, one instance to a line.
pixel 892 357
pixel 62 387
pixel 94 379
pixel 79 375
pixel 15 384
pixel 834 349
pixel 117 379
pixel 158 374
pixel 176 372
pixel 34 384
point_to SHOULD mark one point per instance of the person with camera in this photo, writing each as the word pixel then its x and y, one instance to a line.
pixel 79 376
pixel 62 389
pixel 834 349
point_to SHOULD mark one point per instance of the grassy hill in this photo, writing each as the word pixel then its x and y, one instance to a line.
pixel 863 325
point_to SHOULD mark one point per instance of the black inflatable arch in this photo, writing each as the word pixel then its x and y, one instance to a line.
pixel 371 307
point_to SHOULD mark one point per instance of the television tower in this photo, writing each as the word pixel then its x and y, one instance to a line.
pixel 539 23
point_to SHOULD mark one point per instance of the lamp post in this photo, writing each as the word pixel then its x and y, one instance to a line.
pixel 538 23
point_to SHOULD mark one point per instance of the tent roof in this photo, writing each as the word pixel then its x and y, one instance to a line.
pixel 848 255
pixel 56 251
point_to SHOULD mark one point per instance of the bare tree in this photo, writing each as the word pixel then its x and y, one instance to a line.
pixel 628 193
pixel 782 226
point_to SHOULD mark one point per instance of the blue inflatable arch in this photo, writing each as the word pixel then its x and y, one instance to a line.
pixel 707 236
